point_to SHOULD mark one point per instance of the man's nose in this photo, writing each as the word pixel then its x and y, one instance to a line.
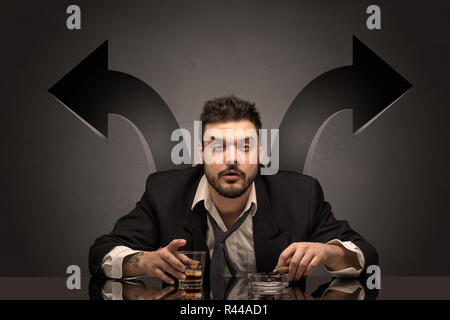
pixel 230 155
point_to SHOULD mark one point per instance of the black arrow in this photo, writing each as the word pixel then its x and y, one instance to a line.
pixel 369 86
pixel 92 91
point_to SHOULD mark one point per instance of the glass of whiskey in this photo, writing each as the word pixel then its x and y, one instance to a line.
pixel 195 265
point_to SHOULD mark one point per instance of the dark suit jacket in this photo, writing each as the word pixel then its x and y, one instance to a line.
pixel 291 208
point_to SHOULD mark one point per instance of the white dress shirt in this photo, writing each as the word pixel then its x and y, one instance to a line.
pixel 239 244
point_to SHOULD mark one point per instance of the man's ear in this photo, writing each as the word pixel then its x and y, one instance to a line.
pixel 200 152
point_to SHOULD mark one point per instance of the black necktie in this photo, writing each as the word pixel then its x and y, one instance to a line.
pixel 219 253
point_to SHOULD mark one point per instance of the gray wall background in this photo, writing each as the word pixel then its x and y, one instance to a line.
pixel 62 186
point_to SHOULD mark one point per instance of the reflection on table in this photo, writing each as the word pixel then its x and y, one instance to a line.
pixel 392 288
pixel 237 288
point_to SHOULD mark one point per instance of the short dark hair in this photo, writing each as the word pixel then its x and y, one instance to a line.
pixel 229 108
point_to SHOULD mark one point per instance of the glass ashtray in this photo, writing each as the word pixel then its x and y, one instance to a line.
pixel 267 283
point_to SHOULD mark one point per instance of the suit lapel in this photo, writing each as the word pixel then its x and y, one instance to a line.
pixel 195 220
pixel 268 241
pixel 195 224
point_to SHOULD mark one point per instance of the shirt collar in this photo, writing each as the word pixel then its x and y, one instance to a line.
pixel 202 193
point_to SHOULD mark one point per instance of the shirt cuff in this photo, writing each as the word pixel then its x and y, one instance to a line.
pixel 347 286
pixel 112 262
pixel 348 272
pixel 112 290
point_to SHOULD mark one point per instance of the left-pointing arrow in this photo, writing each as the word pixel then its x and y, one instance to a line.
pixel 91 91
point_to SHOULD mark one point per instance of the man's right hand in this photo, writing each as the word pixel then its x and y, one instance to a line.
pixel 156 263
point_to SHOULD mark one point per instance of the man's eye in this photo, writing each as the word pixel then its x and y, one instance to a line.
pixel 245 148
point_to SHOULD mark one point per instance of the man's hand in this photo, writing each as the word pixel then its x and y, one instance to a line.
pixel 295 293
pixel 136 292
pixel 156 263
pixel 303 257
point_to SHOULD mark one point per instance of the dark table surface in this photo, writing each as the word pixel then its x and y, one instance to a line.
pixel 147 288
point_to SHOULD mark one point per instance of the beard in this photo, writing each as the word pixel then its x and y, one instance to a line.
pixel 231 190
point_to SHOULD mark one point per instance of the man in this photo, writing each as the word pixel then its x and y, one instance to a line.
pixel 246 221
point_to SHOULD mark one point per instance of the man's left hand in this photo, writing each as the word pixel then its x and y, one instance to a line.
pixel 303 257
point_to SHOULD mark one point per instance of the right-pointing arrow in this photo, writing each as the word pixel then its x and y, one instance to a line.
pixel 369 87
